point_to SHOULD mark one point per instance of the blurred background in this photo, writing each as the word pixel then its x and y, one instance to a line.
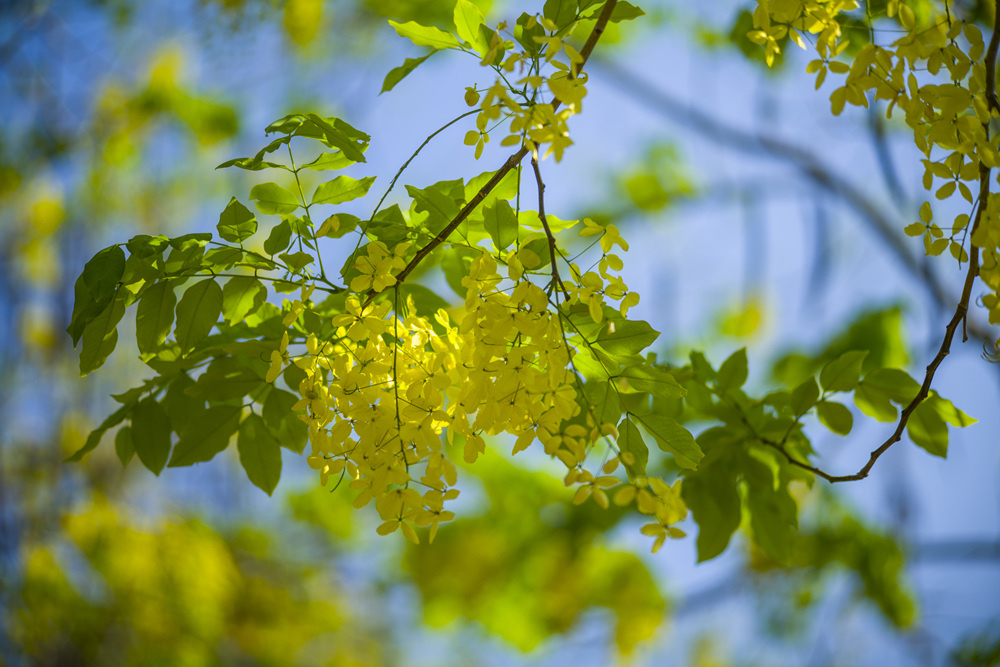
pixel 755 219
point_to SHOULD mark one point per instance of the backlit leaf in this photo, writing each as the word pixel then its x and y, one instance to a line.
pixel 197 313
pixel 260 454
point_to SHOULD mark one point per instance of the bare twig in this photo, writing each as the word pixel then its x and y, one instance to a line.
pixel 556 281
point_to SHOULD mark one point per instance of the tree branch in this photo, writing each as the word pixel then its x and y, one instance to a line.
pixel 511 162
pixel 556 281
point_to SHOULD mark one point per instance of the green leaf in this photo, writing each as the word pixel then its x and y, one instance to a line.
pixel 732 374
pixel 843 373
pixel 100 337
pixel 242 296
pixel 397 74
pixel 95 289
pixel 271 198
pixel 835 416
pixel 338 134
pixel 341 189
pixel 123 445
pixel 226 378
pixel 223 259
pixel 154 317
pixel 526 36
pixel 672 438
pixel 894 383
pixel 197 313
pixel 151 434
pixel 773 512
pixel 560 11
pixel 441 206
pixel 500 223
pixel 805 396
pixel 94 439
pixel 626 336
pixel 874 403
pixel 603 399
pixel 329 162
pixel 296 261
pixel 281 419
pixel 468 18
pixel 260 454
pixel 928 431
pixel 712 496
pixel 625 11
pixel 279 238
pixel 630 441
pixel 205 435
pixel 651 380
pixel 947 411
pixel 179 405
pixel 422 35
pixel 236 223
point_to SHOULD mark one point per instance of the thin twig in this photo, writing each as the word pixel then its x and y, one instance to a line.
pixel 513 161
pixel 556 281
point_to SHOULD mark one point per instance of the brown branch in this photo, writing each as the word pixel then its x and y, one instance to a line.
pixel 511 162
pixel 963 304
pixel 556 280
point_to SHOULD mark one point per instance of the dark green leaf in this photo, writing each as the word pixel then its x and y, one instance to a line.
pixel 672 438
pixel 95 289
pixel 188 241
pixel 342 189
pixel 562 12
pixel 226 378
pixel 526 36
pixel 805 396
pixel 100 337
pixel 500 223
pixel 603 400
pixel 179 405
pixel 843 373
pixel 630 442
pixel 280 237
pixel 144 245
pixel 732 374
pixel 260 454
pixel 197 313
pixel 154 316
pixel 236 223
pixel 271 198
pixel 397 74
pixel 282 420
pixel 223 259
pixel 151 434
pixel 241 296
pixel 123 445
pixel 94 439
pixel 712 496
pixel 206 434
pixel 773 512
pixel 835 416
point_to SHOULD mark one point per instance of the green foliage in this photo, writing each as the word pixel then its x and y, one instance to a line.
pixel 393 383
